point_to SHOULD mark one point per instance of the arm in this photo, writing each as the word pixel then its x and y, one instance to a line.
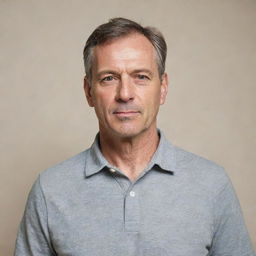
pixel 33 236
pixel 230 233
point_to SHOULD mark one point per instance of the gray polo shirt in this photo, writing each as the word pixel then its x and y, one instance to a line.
pixel 180 205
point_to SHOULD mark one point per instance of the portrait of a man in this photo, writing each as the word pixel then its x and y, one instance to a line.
pixel 133 192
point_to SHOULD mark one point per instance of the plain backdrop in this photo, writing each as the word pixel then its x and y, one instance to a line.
pixel 45 119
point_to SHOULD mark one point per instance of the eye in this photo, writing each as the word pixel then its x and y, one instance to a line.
pixel 107 79
pixel 142 77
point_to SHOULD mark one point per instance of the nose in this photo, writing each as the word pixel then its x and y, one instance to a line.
pixel 125 90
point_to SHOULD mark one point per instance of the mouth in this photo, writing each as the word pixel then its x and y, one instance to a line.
pixel 126 113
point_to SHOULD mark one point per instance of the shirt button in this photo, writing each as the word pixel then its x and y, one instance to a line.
pixel 132 193
pixel 112 170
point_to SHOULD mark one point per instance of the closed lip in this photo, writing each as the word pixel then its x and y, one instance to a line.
pixel 127 112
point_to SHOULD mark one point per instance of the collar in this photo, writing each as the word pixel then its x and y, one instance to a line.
pixel 164 157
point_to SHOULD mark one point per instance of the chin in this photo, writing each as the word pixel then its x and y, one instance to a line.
pixel 129 131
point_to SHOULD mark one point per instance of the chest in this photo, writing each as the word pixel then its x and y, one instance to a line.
pixel 131 220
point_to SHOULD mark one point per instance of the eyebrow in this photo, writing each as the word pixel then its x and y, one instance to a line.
pixel 104 72
pixel 143 70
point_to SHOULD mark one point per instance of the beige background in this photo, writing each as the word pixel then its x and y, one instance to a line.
pixel 44 117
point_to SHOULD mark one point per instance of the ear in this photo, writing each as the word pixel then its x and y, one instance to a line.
pixel 164 88
pixel 87 91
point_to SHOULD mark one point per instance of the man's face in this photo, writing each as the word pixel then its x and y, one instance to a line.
pixel 126 89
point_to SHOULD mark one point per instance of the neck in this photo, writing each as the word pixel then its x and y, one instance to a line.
pixel 130 154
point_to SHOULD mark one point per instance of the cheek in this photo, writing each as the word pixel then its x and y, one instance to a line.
pixel 151 102
pixel 154 99
pixel 101 97
pixel 102 103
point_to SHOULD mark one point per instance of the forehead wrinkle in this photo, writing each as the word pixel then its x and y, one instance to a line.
pixel 123 56
pixel 130 64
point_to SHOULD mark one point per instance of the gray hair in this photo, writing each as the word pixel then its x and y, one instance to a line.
pixel 120 27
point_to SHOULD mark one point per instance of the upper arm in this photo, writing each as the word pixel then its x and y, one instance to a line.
pixel 33 236
pixel 230 233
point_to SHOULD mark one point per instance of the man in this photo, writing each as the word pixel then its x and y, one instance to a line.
pixel 132 192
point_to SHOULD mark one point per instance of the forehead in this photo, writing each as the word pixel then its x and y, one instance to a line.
pixel 130 51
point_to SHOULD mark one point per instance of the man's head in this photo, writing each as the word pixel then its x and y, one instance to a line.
pixel 120 27
pixel 125 80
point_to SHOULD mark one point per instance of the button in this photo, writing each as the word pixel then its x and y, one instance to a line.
pixel 112 170
pixel 132 193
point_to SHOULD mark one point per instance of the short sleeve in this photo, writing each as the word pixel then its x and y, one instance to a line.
pixel 230 233
pixel 33 237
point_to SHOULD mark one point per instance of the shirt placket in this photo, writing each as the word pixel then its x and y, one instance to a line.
pixel 131 211
pixel 131 208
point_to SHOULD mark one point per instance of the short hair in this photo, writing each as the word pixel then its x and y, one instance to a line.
pixel 121 27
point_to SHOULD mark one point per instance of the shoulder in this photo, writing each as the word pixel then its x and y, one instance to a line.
pixel 203 172
pixel 64 173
